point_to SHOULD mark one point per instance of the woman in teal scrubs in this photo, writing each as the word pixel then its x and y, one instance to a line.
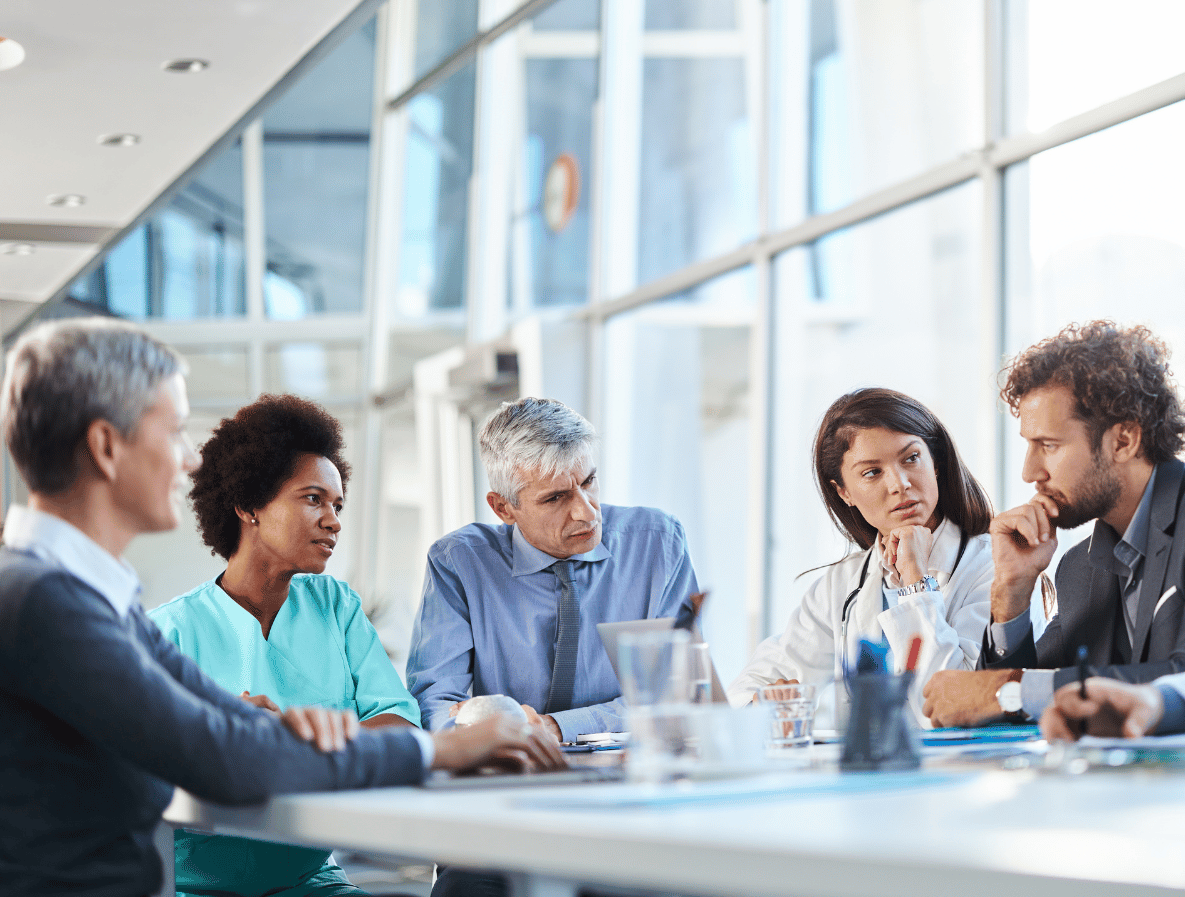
pixel 273 627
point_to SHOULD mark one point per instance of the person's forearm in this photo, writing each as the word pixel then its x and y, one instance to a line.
pixel 606 717
pixel 385 720
pixel 1011 598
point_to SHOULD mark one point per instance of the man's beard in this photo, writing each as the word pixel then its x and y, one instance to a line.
pixel 1094 497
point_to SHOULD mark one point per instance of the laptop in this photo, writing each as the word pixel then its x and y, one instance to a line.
pixel 611 632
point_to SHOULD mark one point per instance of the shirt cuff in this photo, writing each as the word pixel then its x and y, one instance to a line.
pixel 1036 691
pixel 1174 711
pixel 578 721
pixel 1004 637
pixel 427 746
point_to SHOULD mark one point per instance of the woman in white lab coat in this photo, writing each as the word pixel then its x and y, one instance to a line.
pixel 894 484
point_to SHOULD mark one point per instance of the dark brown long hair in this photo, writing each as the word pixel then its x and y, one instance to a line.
pixel 960 497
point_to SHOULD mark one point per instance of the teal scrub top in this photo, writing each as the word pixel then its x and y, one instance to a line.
pixel 321 650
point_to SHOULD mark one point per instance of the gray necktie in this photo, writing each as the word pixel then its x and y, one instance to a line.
pixel 567 641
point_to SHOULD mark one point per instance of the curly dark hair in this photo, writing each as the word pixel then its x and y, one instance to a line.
pixel 1117 375
pixel 960 496
pixel 249 456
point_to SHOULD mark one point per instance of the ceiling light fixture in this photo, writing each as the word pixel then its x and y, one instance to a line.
pixel 119 139
pixel 186 65
pixel 12 54
pixel 67 200
pixel 16 249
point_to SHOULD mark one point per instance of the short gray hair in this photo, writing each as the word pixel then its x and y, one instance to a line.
pixel 542 436
pixel 61 377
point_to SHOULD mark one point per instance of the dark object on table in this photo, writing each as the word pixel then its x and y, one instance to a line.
pixel 879 736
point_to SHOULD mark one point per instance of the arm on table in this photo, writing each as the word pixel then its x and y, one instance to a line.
pixel 805 651
pixel 149 704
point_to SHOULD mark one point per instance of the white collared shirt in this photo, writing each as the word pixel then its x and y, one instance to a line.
pixel 55 541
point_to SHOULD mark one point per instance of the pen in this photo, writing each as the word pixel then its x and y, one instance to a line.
pixel 915 648
pixel 1082 673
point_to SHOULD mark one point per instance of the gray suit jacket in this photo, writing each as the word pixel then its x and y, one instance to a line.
pixel 1090 612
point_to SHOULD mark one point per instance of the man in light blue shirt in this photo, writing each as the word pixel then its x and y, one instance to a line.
pixel 500 616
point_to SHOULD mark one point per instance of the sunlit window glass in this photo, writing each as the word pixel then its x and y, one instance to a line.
pixel 316 177
pixel 442 28
pixel 867 94
pixel 671 15
pixel 550 227
pixel 697 191
pixel 314 370
pixel 184 263
pixel 438 165
pixel 216 374
pixel 676 434
pixel 1068 56
pixel 569 15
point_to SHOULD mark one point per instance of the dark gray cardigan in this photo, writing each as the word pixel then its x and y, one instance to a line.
pixel 100 717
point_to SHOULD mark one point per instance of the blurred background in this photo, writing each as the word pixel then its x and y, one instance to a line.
pixel 698 222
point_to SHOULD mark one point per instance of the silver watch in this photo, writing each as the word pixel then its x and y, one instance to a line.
pixel 925 584
pixel 1008 696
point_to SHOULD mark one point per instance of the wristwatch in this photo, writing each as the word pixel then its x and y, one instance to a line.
pixel 926 584
pixel 1008 696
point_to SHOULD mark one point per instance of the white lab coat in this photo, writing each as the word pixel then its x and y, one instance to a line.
pixel 950 621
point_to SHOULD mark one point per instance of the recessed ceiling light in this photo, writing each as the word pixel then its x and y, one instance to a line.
pixel 69 200
pixel 119 139
pixel 12 54
pixel 16 249
pixel 186 65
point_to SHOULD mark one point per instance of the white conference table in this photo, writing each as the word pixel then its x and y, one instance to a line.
pixel 965 833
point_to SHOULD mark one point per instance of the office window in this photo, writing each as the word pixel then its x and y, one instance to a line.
pixel 912 321
pixel 676 434
pixel 217 374
pixel 1068 56
pixel 865 94
pixel 569 15
pixel 186 262
pixel 675 15
pixel 314 370
pixel 438 165
pixel 316 176
pixel 442 28
pixel 697 192
pixel 550 220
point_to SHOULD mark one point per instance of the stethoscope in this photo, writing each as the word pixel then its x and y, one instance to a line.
pixel 845 611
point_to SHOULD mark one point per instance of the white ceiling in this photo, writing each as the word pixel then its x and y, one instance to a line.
pixel 95 68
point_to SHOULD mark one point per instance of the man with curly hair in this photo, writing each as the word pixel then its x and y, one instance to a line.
pixel 1100 413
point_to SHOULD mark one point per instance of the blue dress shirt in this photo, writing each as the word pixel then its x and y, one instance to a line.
pixel 487 623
